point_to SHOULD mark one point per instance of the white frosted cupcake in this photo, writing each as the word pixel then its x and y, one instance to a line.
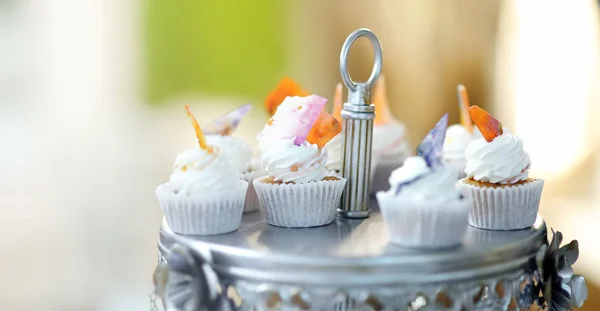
pixel 455 144
pixel 390 146
pixel 238 151
pixel 423 208
pixel 239 154
pixel 503 195
pixel 205 195
pixel 458 136
pixel 298 191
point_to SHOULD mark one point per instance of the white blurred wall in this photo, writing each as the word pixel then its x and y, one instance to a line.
pixel 548 92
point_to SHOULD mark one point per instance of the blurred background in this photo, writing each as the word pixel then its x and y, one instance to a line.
pixel 91 117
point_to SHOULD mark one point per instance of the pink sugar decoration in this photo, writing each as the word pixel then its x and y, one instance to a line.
pixel 294 118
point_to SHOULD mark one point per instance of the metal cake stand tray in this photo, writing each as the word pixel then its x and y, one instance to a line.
pixel 349 265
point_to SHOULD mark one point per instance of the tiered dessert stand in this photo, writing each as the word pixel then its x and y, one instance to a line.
pixel 349 265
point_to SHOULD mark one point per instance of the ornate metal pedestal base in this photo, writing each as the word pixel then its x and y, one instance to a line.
pixel 349 265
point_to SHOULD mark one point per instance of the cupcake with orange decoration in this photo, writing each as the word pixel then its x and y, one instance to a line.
pixel 390 146
pixel 205 194
pixel 286 87
pixel 219 133
pixel 503 195
pixel 459 136
pixel 298 190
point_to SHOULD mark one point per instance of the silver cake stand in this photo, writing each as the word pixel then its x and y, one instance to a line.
pixel 350 265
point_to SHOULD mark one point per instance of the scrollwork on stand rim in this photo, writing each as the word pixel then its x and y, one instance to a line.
pixel 503 293
pixel 187 282
pixel 554 285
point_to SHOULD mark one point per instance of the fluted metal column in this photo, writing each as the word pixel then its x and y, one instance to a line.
pixel 358 114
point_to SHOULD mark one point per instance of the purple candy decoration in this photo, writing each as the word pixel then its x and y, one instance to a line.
pixel 227 123
pixel 430 148
pixel 406 183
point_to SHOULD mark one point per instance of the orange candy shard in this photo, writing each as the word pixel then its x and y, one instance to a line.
pixel 463 107
pixel 286 87
pixel 489 126
pixel 199 134
pixel 383 115
pixel 324 129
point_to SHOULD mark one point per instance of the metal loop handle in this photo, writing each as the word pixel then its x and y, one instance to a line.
pixel 363 32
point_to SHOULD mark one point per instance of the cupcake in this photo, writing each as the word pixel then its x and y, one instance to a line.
pixel 298 191
pixel 458 136
pixel 423 208
pixel 237 150
pixel 205 194
pixel 390 146
pixel 286 87
pixel 503 195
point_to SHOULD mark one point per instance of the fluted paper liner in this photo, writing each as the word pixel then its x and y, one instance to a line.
pixel 206 213
pixel 300 205
pixel 252 203
pixel 422 225
pixel 503 208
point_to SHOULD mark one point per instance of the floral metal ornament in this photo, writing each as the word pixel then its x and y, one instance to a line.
pixel 188 283
pixel 555 286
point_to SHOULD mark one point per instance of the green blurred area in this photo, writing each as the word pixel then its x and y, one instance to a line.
pixel 233 48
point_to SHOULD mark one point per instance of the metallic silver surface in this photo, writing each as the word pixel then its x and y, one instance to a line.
pixel 356 247
pixel 363 32
pixel 357 132
pixel 350 264
pixel 579 291
pixel 187 283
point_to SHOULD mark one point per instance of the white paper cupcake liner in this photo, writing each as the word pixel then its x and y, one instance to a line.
pixel 503 208
pixel 300 205
pixel 252 202
pixel 422 225
pixel 207 213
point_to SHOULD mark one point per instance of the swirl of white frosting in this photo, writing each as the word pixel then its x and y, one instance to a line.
pixel 390 139
pixel 456 141
pixel 197 170
pixel 334 153
pixel 503 160
pixel 238 152
pixel 418 182
pixel 476 133
pixel 287 162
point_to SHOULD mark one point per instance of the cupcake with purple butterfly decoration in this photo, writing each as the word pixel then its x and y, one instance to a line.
pixel 423 208
pixel 239 153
